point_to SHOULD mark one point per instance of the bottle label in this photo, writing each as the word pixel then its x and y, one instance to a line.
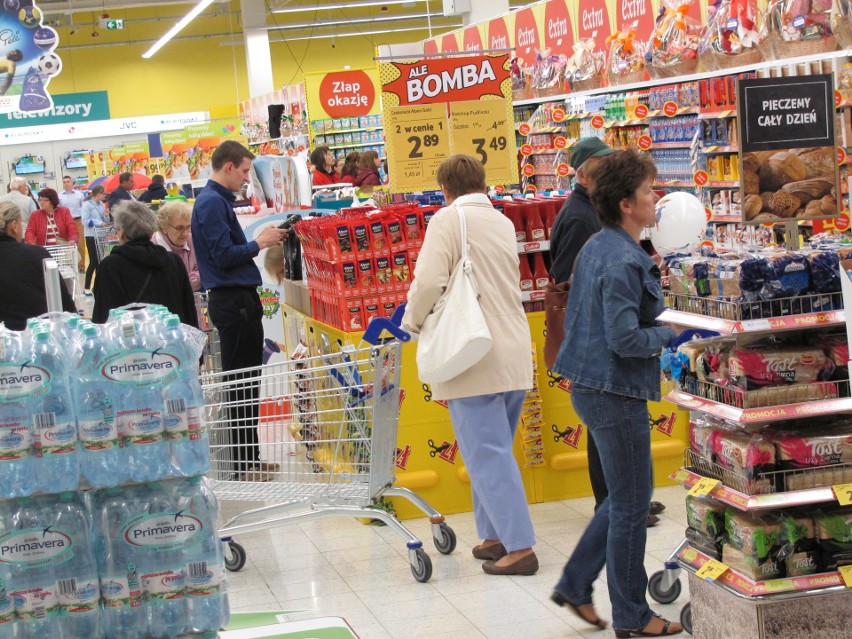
pixel 7 605
pixel 163 531
pixel 166 584
pixel 537 234
pixel 203 579
pixel 541 283
pixel 35 603
pixel 526 285
pixel 140 427
pixel 182 422
pixel 18 381
pixel 77 596
pixel 15 440
pixel 120 592
pixel 98 434
pixel 54 436
pixel 34 547
pixel 141 368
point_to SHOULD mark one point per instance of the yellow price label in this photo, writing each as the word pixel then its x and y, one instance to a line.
pixel 704 486
pixel 712 570
pixel 418 141
pixel 481 128
pixel 846 575
pixel 843 492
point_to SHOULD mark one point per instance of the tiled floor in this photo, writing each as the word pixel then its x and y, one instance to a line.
pixel 340 567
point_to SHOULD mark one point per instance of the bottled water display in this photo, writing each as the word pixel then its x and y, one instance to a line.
pixel 16 438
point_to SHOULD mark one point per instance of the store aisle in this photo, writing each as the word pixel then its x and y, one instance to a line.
pixel 339 567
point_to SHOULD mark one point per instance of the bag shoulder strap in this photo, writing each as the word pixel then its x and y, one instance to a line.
pixel 144 286
pixel 463 230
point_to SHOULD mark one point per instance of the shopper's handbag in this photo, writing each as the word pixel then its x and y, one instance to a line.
pixel 454 335
pixel 555 303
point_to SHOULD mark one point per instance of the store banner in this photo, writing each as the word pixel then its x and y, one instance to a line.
pixel 472 38
pixel 498 31
pixel 437 107
pixel 788 152
pixel 450 43
pixel 559 28
pixel 339 94
pixel 67 108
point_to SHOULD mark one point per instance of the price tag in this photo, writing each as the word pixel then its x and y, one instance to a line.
pixel 841 155
pixel 846 575
pixel 700 178
pixel 708 213
pixel 528 170
pixel 704 486
pixel 481 128
pixel 531 188
pixel 841 222
pixel 562 169
pixel 598 122
pixel 645 142
pixel 838 98
pixel 640 112
pixel 560 142
pixel 524 129
pixel 526 150
pixel 670 109
pixel 711 571
pixel 756 325
pixel 558 115
pixel 419 140
pixel 843 492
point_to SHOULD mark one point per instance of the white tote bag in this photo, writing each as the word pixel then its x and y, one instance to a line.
pixel 454 336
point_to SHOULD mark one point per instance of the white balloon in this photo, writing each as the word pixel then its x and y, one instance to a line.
pixel 681 224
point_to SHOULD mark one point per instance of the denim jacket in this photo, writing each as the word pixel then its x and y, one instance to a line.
pixel 612 338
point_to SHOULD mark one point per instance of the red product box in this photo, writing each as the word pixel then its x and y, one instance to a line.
pixel 384 274
pixel 428 214
pixel 378 236
pixel 413 254
pixel 347 279
pixel 352 315
pixel 339 240
pixel 412 221
pixel 401 271
pixel 362 237
pixel 372 309
pixel 388 303
pixel 395 235
pixel 367 276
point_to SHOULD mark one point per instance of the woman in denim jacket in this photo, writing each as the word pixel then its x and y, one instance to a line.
pixel 614 373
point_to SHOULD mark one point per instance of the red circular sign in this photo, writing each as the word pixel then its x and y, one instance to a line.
pixel 291 151
pixel 347 93
pixel 558 30
pixel 301 148
pixel 558 115
pixel 597 122
pixel 524 129
pixel 841 222
pixel 562 169
pixel 531 188
pixel 701 178
pixel 708 244
pixel 560 142
pixel 526 35
pixel 526 150
pixel 645 142
pixel 499 189
pixel 640 112
pixel 708 213
pixel 498 34
pixel 670 109
pixel 838 98
pixel 841 155
pixel 529 170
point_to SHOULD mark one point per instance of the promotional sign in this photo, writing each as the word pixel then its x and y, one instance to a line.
pixel 67 107
pixel 254 112
pixel 558 28
pixel 340 94
pixel 498 32
pixel 435 108
pixel 526 34
pixel 787 148
pixel 472 39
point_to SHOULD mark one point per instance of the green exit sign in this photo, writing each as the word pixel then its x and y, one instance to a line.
pixel 114 25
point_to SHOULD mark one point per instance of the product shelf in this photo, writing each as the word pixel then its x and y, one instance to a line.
pixel 671 145
pixel 726 219
pixel 770 324
pixel 810 585
pixel 715 150
pixel 533 247
pixel 333 131
pixel 548 129
pixel 354 145
pixel 717 115
pixel 723 184
pixel 674 184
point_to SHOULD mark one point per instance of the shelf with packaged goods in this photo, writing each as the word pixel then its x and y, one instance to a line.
pixel 767 325
pixel 675 184
pixel 533 247
pixel 659 146
pixel 817 584
pixel 359 130
pixel 722 184
pixel 717 150
pixel 717 115
pixel 354 145
pixel 281 139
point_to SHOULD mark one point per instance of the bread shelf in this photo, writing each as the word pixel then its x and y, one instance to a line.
pixel 763 414
pixel 715 150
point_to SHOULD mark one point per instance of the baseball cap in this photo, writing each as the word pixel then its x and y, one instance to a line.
pixel 589 148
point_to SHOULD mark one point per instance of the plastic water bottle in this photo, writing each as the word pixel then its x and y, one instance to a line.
pixel 207 600
pixel 18 382
pixel 124 612
pixel 33 582
pixel 140 407
pixel 7 603
pixel 77 586
pixel 57 466
pixel 102 459
pixel 184 401
pixel 160 536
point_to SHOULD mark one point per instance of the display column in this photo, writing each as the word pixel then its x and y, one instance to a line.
pixel 256 38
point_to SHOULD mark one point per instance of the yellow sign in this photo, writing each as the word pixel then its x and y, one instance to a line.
pixel 704 486
pixel 846 574
pixel 712 570
pixel 843 492
pixel 480 128
pixel 418 140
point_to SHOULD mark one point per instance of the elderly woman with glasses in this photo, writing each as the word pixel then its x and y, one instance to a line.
pixel 173 234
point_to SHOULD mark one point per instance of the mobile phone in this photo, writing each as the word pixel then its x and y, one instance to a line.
pixel 289 222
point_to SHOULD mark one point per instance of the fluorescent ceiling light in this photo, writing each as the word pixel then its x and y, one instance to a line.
pixel 319 36
pixel 171 33
pixel 330 23
pixel 342 5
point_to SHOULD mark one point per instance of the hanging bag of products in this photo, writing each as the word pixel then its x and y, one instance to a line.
pixel 791 28
pixel 730 38
pixel 673 49
pixel 626 62
pixel 584 70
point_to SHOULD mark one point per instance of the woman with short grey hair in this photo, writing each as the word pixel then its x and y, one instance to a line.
pixel 140 272
pixel 174 234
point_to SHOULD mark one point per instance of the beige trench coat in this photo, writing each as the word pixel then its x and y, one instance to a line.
pixel 491 236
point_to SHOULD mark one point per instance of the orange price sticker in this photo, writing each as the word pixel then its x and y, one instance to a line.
pixel 708 213
pixel 841 222
pixel 712 570
pixel 499 189
pixel 560 142
pixel 529 170
pixel 558 115
pixel 645 142
pixel 524 129
pixel 670 109
pixel 562 170
pixel 531 188
pixel 838 98
pixel 843 492
pixel 708 244
pixel 768 226
pixel 598 122
pixel 526 150
pixel 846 575
pixel 640 112
pixel 700 178
pixel 291 152
pixel 301 148
pixel 841 155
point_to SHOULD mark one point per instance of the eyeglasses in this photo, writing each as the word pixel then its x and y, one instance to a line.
pixel 180 229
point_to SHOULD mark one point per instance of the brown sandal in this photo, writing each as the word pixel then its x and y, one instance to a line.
pixel 626 634
pixel 560 600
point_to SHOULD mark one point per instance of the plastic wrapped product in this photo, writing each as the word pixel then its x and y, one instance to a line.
pixel 750 566
pixel 746 454
pixel 755 367
pixel 626 59
pixel 730 36
pixel 706 516
pixel 673 49
pixel 708 545
pixel 753 534
pixel 834 530
pixel 584 69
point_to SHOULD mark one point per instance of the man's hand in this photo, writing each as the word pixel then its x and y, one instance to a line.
pixel 270 236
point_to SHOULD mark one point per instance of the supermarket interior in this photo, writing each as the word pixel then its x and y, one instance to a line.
pixel 252 443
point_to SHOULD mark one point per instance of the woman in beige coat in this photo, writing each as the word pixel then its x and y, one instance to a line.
pixel 485 401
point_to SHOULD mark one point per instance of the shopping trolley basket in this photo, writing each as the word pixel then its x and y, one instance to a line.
pixel 106 239
pixel 66 259
pixel 327 429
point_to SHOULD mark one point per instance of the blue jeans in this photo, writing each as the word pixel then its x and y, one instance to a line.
pixel 616 535
pixel 485 427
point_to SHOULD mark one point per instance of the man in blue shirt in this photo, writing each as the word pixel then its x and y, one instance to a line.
pixel 72 199
pixel 226 262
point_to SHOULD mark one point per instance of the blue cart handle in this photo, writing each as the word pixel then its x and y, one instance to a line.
pixel 392 326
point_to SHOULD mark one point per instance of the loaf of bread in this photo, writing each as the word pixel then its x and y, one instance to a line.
pixel 747 454
pixel 755 535
pixel 751 567
pixel 759 367
pixel 706 516
pixel 834 530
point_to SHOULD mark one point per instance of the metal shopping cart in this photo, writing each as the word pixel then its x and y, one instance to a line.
pixel 106 238
pixel 328 431
pixel 66 257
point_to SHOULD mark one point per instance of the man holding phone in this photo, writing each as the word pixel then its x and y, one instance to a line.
pixel 226 263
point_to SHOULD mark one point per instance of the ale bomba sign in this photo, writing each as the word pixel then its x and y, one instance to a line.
pixel 455 79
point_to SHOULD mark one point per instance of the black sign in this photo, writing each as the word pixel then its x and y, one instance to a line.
pixel 786 113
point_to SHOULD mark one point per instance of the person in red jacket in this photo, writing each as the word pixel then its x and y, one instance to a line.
pixel 368 173
pixel 350 168
pixel 51 224
pixel 323 160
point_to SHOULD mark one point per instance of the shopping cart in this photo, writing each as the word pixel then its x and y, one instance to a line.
pixel 66 257
pixel 328 428
pixel 106 238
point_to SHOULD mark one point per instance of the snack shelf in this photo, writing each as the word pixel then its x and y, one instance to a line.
pixel 716 115
pixel 770 324
pixel 622 123
pixel 672 184
pixel 754 317
pixel 355 145
pixel 817 584
pixel 680 111
pixel 368 129
pixel 670 145
pixel 762 414
pixel 532 296
pixel 713 150
pixel 533 247
pixel 548 129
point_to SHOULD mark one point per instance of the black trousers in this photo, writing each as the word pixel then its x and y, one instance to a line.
pixel 92 250
pixel 237 314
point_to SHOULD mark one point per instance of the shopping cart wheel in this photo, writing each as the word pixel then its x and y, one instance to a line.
pixel 235 556
pixel 447 543
pixel 658 594
pixel 686 617
pixel 421 565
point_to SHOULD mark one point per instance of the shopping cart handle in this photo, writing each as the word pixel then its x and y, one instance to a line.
pixel 392 326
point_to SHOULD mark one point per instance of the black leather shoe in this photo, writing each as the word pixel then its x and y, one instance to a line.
pixel 526 565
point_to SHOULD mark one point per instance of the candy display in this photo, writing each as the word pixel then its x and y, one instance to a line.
pixel 626 60
pixel 549 75
pixel 584 69
pixel 673 49
pixel 730 36
pixel 791 28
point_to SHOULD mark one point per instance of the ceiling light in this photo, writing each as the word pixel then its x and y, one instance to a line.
pixel 343 5
pixel 171 33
